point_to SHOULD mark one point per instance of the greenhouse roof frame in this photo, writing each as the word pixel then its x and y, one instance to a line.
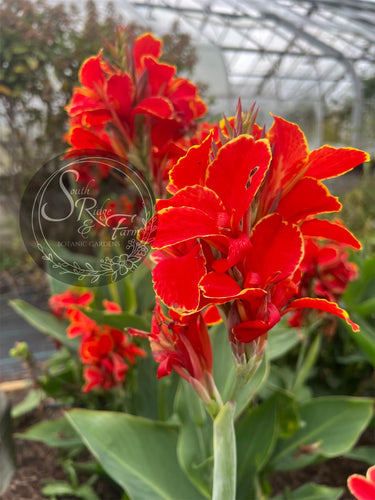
pixel 289 50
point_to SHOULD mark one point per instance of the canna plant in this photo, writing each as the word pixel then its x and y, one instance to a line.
pixel 238 243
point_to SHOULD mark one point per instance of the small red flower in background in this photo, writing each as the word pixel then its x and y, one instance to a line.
pixel 363 488
pixel 104 351
pixel 236 228
pixel 137 112
pixel 62 303
pixel 182 344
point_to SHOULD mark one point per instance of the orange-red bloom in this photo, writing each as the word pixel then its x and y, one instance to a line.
pixel 138 112
pixel 104 351
pixel 235 230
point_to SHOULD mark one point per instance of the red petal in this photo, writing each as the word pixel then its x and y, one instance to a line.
pixel 289 154
pixel 370 474
pixel 91 74
pixel 146 45
pixel 178 224
pixel 155 106
pixel 191 169
pixel 158 75
pixel 238 248
pixel 327 162
pixel 111 307
pixel 222 288
pixel 277 249
pixel 330 230
pixel 198 197
pixel 211 315
pixel 307 197
pixel 176 280
pixel 81 138
pixel 121 89
pixel 361 488
pixel 321 305
pixel 235 161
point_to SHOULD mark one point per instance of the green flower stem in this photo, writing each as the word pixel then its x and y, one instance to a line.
pixel 225 457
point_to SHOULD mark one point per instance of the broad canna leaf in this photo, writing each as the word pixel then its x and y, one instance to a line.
pixel 194 448
pixel 331 427
pixel 137 453
pixel 46 323
pixel 119 321
pixel 311 491
pixel 55 433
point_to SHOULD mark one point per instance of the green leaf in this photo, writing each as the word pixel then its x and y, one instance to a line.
pixel 311 491
pixel 142 282
pixel 55 433
pixel 365 338
pixel 139 454
pixel 194 447
pixel 255 448
pixel 332 425
pixel 7 455
pixel 281 339
pixel 119 321
pixel 63 488
pixel 30 402
pixel 46 323
pixel 363 454
pixel 308 363
pixel 224 480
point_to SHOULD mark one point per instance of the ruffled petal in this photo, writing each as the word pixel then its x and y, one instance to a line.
pixel 176 280
pixel 330 230
pixel 307 197
pixel 121 89
pixel 327 162
pixel 230 173
pixel 277 250
pixel 191 168
pixel 191 223
pixel 145 45
pixel 91 74
pixel 155 106
pixel 361 488
pixel 321 305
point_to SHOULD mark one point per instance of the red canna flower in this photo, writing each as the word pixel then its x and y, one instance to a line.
pixel 363 488
pixel 137 112
pixel 235 230
pixel 104 351
pixel 182 344
pixel 61 304
pixel 105 354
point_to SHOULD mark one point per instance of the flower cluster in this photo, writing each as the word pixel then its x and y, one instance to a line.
pixel 139 111
pixel 105 352
pixel 235 231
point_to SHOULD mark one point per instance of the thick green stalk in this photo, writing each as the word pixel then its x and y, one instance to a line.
pixel 225 457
